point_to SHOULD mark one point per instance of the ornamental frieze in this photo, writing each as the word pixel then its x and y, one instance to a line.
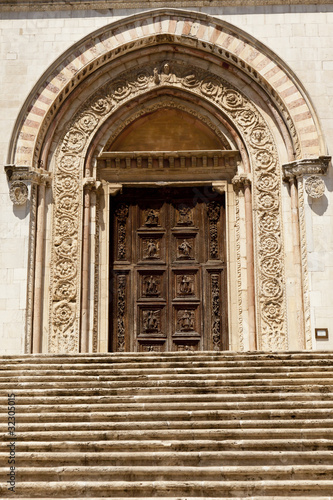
pixel 67 218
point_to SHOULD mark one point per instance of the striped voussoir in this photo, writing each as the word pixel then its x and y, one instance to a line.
pixel 184 28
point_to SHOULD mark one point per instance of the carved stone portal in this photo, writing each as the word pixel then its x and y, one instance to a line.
pixel 70 157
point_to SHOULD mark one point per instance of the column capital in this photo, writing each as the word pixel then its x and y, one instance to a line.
pixel 90 183
pixel 24 173
pixel 306 166
pixel 240 181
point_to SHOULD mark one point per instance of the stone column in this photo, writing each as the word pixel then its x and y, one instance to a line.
pixel 39 178
pixel 89 184
pixel 308 170
pixel 243 182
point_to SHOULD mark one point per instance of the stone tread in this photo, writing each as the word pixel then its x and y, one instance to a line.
pixel 162 488
pixel 171 425
pixel 181 458
pixel 301 444
pixel 174 473
pixel 177 435
pixel 87 415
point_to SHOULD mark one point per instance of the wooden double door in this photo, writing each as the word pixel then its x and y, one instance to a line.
pixel 168 270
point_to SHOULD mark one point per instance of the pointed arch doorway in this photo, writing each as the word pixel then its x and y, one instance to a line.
pixel 168 254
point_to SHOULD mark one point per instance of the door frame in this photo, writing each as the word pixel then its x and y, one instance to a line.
pixel 102 208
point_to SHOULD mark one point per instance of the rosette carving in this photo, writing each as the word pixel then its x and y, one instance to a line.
pixel 18 193
pixel 314 186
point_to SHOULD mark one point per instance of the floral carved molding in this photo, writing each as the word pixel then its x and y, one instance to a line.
pixel 68 181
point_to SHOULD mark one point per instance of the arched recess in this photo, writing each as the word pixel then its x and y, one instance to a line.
pixel 227 79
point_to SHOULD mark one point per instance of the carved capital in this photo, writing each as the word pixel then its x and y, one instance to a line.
pixel 89 183
pixel 239 181
pixel 23 173
pixel 114 189
pixel 307 166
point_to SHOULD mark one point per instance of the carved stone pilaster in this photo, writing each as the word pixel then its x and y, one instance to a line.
pixel 306 174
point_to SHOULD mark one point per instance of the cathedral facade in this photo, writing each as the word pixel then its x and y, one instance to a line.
pixel 167 180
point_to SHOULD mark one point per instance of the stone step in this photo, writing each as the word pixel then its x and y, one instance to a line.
pixel 162 367
pixel 72 377
pixel 61 388
pixel 184 355
pixel 82 489
pixel 300 444
pixel 115 406
pixel 88 415
pixel 170 425
pixel 50 426
pixel 129 399
pixel 177 435
pixel 172 473
pixel 192 458
pixel 253 497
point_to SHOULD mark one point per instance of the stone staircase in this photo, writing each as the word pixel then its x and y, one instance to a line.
pixel 173 425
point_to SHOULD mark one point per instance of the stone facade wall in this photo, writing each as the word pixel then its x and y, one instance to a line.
pixel 31 41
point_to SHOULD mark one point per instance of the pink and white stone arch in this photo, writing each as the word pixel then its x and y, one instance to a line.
pixel 49 121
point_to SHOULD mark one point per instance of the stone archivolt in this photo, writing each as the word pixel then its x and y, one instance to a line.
pixel 64 324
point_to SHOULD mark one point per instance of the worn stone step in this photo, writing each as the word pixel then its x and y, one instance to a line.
pixel 171 473
pixel 161 398
pixel 184 355
pixel 171 458
pixel 300 444
pixel 147 406
pixel 34 426
pixel 90 378
pixel 155 367
pixel 177 435
pixel 252 497
pixel 87 414
pixel 170 488
pixel 24 391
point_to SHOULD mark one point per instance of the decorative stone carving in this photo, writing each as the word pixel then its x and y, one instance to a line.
pixel 69 167
pixel 307 166
pixel 18 193
pixel 314 186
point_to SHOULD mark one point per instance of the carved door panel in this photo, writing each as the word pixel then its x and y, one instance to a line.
pixel 168 271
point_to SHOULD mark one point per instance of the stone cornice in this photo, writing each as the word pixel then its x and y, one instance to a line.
pixel 53 5
pixel 306 166
pixel 24 173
